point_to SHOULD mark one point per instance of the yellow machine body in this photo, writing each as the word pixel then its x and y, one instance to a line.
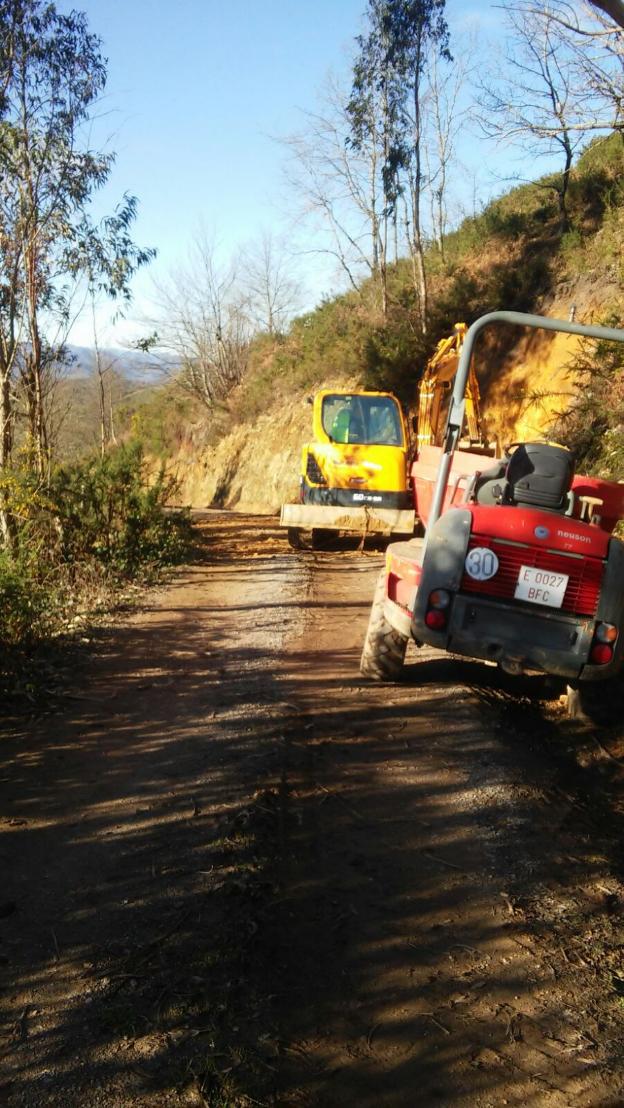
pixel 359 452
pixel 354 474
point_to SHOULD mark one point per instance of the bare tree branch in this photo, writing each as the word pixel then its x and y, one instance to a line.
pixel 552 89
pixel 204 323
pixel 272 291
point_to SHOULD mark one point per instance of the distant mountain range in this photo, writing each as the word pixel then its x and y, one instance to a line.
pixel 133 364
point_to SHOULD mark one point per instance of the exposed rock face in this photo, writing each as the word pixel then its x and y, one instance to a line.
pixel 254 468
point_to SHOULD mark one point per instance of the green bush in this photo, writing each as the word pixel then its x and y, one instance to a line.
pixel 106 509
pixel 98 518
pixel 29 606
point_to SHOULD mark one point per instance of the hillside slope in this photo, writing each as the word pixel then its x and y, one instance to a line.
pixel 516 255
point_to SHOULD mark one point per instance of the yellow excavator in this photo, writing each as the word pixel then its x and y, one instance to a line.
pixel 355 474
pixel 434 393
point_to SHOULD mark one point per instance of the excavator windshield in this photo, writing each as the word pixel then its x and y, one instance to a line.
pixel 370 420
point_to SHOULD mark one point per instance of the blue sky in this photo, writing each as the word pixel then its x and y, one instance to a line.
pixel 197 94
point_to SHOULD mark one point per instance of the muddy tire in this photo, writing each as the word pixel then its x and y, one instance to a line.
pixel 322 538
pixel 599 702
pixel 316 539
pixel 384 648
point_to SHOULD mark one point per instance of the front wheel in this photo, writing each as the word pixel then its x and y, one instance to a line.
pixel 322 538
pixel 600 702
pixel 384 648
pixel 294 538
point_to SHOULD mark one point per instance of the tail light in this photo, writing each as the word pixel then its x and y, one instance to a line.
pixel 605 637
pixel 601 654
pixel 437 609
pixel 314 472
pixel 606 632
pixel 435 619
pixel 440 598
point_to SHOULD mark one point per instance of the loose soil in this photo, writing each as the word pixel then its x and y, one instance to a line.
pixel 234 873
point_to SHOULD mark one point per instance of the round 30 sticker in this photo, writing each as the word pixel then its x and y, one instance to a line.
pixel 481 563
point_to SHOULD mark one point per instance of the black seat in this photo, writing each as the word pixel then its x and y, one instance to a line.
pixel 539 475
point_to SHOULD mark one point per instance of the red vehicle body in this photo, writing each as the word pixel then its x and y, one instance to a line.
pixel 518 566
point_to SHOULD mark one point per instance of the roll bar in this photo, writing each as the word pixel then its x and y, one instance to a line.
pixel 455 419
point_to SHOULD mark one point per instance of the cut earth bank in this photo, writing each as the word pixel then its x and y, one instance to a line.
pixel 235 874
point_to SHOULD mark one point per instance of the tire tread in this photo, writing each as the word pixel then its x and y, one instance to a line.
pixel 384 648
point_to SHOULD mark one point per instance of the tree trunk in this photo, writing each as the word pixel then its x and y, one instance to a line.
pixel 34 367
pixel 562 195
pixel 417 248
pixel 8 530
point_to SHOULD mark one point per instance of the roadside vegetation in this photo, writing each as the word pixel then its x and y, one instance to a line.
pixel 71 530
pixel 96 526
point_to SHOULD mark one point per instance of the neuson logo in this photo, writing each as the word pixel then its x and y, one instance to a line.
pixel 541 532
pixel 573 535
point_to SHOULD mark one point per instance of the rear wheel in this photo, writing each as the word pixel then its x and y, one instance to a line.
pixel 600 702
pixel 384 648
pixel 294 538
pixel 323 538
pixel 319 538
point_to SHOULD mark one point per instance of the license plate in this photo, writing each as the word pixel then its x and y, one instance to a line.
pixel 541 586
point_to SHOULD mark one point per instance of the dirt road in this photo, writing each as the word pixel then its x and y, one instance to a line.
pixel 235 874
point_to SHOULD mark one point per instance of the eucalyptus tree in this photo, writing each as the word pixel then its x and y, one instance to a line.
pixel 52 73
pixel 374 115
pixel 387 108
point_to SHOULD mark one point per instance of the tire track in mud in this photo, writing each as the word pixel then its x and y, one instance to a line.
pixel 434 936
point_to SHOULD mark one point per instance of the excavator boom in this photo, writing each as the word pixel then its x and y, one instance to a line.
pixel 435 386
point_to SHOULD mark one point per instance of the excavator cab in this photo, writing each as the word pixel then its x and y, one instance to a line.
pixel 354 472
pixel 359 452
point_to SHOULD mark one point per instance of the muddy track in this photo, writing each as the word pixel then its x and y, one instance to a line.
pixel 235 873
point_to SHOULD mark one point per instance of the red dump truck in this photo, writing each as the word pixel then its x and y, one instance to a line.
pixel 519 565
